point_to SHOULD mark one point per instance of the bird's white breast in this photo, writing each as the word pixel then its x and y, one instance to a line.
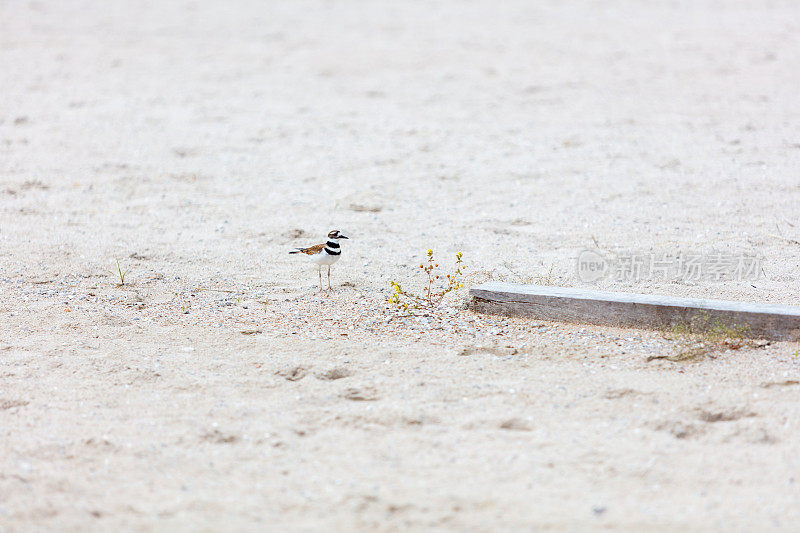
pixel 324 258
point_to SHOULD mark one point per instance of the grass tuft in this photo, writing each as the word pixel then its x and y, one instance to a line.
pixel 512 276
pixel 705 336
pixel 121 274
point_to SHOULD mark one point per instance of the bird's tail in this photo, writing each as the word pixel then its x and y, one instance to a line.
pixel 295 251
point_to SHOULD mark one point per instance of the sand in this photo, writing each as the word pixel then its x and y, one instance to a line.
pixel 198 142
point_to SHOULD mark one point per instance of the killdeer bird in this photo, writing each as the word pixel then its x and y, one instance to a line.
pixel 324 254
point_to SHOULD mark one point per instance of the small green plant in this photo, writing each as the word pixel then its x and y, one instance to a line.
pixel 702 336
pixel 437 286
pixel 121 274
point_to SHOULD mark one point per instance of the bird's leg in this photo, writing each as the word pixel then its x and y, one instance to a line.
pixel 329 278
pixel 319 271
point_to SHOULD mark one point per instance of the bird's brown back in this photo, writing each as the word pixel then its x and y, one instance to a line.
pixel 311 250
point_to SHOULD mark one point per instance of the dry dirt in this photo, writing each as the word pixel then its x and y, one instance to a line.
pixel 197 142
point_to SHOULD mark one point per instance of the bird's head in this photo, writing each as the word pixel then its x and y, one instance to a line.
pixel 336 235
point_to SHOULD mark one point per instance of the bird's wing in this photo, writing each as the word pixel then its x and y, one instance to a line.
pixel 312 250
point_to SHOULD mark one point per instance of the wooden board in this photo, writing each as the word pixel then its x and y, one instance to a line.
pixel 774 322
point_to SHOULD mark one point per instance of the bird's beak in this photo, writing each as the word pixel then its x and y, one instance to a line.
pixel 343 237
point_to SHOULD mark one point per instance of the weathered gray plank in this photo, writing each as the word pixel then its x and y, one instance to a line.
pixel 776 322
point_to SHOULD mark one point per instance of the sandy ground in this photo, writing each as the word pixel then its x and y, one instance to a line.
pixel 197 142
